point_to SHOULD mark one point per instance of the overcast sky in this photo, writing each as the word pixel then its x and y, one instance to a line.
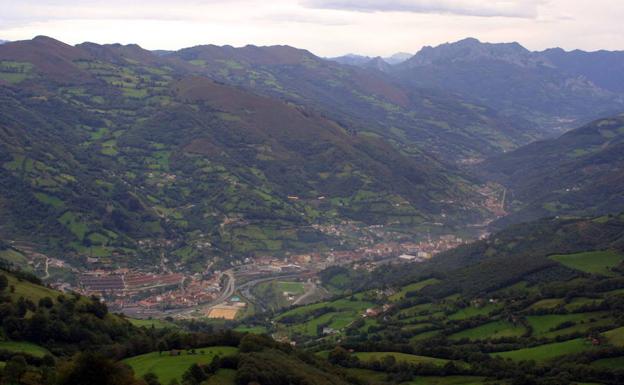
pixel 326 27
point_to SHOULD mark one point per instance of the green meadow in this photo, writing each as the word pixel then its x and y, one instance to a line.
pixel 547 351
pixel 594 262
pixel 167 367
pixel 23 347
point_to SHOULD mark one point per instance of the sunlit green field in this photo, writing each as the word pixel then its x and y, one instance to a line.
pixel 149 323
pixel 547 351
pixel 595 262
pixel 497 329
pixel 23 347
pixel 449 380
pixel 400 357
pixel 167 367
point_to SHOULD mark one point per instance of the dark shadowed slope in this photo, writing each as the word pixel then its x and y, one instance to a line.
pixel 578 173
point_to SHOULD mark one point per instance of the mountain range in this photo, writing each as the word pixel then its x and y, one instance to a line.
pixel 552 89
pixel 231 152
pixel 360 60
pixel 118 145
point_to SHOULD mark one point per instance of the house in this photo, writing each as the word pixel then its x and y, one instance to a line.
pixel 372 312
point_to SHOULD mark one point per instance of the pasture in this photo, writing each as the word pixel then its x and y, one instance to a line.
pixel 340 314
pixel 594 262
pixel 543 324
pixel 412 288
pixel 615 336
pixel 294 288
pixel 449 380
pixel 168 367
pixel 400 357
pixel 152 323
pixel 497 329
pixel 23 347
pixel 473 311
pixel 547 351
pixel 29 290
pixel 609 363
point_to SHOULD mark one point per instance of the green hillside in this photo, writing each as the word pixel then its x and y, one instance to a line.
pixel 418 120
pixel 579 173
pixel 112 145
pixel 543 299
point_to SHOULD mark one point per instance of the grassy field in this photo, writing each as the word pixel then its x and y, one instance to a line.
pixel 547 351
pixel 582 327
pixel 495 329
pixel 251 329
pixel 547 303
pixel 542 324
pixel 424 308
pixel 15 258
pixel 424 336
pixel 167 367
pixel 149 323
pixel 472 311
pixel 345 312
pixel 400 357
pixel 29 290
pixel 412 287
pixel 368 376
pixel 615 336
pixel 595 262
pixel 609 363
pixel 295 288
pixel 24 347
pixel 579 302
pixel 449 380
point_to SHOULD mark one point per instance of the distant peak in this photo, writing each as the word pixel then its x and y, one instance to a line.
pixel 46 39
pixel 469 40
pixel 471 49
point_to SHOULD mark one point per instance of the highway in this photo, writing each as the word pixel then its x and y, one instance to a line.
pixel 230 288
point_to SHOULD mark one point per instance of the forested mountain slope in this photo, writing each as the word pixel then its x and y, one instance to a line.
pixel 363 100
pixel 106 146
pixel 553 90
pixel 579 173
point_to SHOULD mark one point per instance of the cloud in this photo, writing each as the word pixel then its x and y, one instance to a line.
pixel 305 19
pixel 484 8
pixel 28 11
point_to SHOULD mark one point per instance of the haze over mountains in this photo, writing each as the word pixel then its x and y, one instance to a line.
pixel 553 89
